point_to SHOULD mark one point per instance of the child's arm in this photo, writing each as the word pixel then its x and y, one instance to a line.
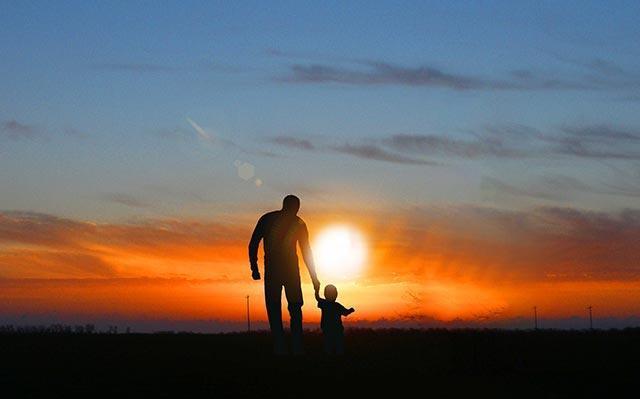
pixel 346 312
pixel 318 296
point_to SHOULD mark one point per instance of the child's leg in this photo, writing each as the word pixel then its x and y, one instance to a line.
pixel 328 342
pixel 339 342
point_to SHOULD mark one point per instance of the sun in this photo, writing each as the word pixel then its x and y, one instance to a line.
pixel 339 252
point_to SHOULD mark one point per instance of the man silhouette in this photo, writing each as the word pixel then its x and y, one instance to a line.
pixel 281 231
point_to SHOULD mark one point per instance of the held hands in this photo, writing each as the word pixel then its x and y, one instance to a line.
pixel 316 286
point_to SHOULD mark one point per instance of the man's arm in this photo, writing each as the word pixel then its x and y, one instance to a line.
pixel 307 255
pixel 258 234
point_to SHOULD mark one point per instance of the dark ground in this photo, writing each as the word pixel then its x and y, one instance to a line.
pixel 389 363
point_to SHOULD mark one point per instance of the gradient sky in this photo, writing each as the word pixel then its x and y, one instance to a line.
pixel 489 152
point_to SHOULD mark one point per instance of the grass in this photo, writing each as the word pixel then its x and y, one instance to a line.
pixel 389 363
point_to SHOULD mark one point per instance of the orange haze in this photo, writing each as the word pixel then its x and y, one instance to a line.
pixel 445 263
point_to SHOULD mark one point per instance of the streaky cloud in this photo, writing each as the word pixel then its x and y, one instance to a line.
pixel 16 130
pixel 133 67
pixel 438 144
pixel 376 153
pixel 373 73
pixel 125 199
pixel 293 142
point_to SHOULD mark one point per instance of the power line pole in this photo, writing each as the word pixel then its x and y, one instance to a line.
pixel 248 316
pixel 590 317
pixel 535 317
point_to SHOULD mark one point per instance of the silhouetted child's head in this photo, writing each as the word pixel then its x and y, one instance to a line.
pixel 330 292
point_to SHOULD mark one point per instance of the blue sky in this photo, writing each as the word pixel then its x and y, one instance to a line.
pixel 504 104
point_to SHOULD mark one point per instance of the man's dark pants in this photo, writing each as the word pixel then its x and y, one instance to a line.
pixel 273 285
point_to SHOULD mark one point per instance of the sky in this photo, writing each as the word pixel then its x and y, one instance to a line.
pixel 487 152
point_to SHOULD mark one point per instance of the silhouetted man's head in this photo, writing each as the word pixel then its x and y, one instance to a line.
pixel 330 292
pixel 291 204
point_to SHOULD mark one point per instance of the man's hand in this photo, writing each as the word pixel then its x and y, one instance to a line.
pixel 316 285
pixel 255 275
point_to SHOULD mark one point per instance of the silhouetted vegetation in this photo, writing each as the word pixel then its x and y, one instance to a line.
pixel 420 363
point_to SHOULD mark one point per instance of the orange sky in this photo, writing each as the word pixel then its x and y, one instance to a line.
pixel 442 263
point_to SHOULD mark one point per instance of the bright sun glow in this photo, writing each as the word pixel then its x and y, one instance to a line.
pixel 339 252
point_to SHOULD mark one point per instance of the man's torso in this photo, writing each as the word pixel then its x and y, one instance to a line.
pixel 281 233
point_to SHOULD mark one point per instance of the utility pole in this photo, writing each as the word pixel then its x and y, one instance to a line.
pixel 535 317
pixel 248 316
pixel 590 317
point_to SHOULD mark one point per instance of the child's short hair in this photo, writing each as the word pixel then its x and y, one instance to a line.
pixel 330 292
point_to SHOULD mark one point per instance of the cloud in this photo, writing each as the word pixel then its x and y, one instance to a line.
pixel 134 67
pixel 379 73
pixel 557 187
pixel 517 142
pixel 293 142
pixel 16 130
pixel 599 142
pixel 370 73
pixel 493 185
pixel 54 263
pixel 500 142
pixel 465 243
pixel 435 144
pixel 489 245
pixel 360 150
pixel 376 153
pixel 151 239
pixel 125 199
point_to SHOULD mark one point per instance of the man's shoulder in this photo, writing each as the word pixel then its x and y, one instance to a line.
pixel 270 215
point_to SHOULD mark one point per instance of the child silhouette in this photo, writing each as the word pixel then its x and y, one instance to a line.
pixel 331 321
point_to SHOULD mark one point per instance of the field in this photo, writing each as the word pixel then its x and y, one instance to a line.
pixel 380 363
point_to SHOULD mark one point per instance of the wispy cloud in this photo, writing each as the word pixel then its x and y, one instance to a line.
pixel 125 199
pixel 363 150
pixel 543 244
pixel 293 142
pixel 479 147
pixel 48 243
pixel 134 67
pixel 376 153
pixel 52 263
pixel 517 141
pixel 16 130
pixel 476 242
pixel 500 142
pixel 380 74
pixel 601 142
pixel 557 188
pixel 369 73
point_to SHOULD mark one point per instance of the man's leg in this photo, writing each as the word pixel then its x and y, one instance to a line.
pixel 273 300
pixel 293 292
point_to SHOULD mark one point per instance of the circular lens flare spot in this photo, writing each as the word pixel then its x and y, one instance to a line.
pixel 339 252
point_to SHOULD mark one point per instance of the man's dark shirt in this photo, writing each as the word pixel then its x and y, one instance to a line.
pixel 332 312
pixel 280 232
